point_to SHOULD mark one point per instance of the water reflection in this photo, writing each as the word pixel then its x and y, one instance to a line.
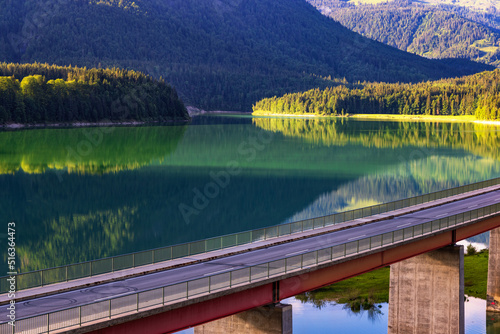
pixel 97 216
pixel 373 311
pixel 492 323
pixel 351 300
pixel 123 194
pixel 87 150
pixel 477 321
pixel 337 318
pixel 401 181
pixel 479 139
pixel 334 318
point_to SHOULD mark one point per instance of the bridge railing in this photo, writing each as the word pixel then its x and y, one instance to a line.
pixel 111 264
pixel 179 292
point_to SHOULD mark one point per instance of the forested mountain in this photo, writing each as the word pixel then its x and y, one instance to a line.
pixel 219 54
pixel 430 31
pixel 477 95
pixel 479 6
pixel 37 93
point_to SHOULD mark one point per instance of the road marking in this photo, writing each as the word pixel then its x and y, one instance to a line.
pixel 403 225
pixel 472 206
pixel 359 236
pixel 216 272
pixel 301 251
pixel 444 214
pixel 114 296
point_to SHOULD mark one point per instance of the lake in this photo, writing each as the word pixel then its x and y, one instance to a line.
pixel 79 194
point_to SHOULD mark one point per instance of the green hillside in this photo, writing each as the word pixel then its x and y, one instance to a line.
pixel 219 54
pixel 430 31
pixel 476 5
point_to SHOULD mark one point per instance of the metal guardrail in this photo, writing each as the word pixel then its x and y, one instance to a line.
pixel 111 264
pixel 171 294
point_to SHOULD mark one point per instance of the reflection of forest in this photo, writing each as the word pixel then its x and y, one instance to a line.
pixel 426 172
pixel 87 150
pixel 93 216
pixel 403 181
pixel 360 294
pixel 94 234
pixel 492 323
pixel 97 150
pixel 478 139
pixel 328 166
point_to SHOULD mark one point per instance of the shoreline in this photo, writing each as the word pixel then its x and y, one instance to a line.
pixel 295 115
pixel 193 111
pixel 393 117
pixel 16 126
pixel 381 117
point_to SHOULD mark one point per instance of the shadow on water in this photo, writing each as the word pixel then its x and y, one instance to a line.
pixel 92 216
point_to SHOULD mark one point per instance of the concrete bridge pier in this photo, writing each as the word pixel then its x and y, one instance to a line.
pixel 427 293
pixel 270 319
pixel 493 287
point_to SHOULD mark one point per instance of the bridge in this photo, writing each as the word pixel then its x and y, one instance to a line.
pixel 172 288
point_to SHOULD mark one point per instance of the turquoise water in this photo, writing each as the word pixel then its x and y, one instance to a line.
pixel 82 194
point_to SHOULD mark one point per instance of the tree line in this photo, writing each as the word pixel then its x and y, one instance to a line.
pixel 477 95
pixel 42 93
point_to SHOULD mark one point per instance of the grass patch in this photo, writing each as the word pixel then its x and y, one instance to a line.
pixel 476 274
pixel 373 287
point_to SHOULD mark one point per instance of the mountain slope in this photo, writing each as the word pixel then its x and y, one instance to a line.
pixel 219 54
pixel 430 31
